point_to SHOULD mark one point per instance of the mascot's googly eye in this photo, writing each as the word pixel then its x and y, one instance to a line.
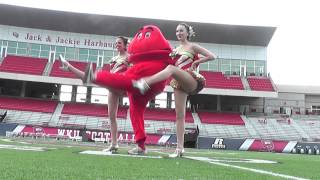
pixel 148 34
pixel 139 36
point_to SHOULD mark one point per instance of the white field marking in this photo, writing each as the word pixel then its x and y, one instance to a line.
pixel 227 160
pixel 23 142
pixel 212 152
pixel 245 168
pixel 122 155
pixel 223 159
pixel 161 152
pixel 24 148
pixel 9 140
pixel 193 152
pixel 6 140
pixel 232 160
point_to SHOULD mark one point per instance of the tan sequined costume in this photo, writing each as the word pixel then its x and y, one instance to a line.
pixel 185 65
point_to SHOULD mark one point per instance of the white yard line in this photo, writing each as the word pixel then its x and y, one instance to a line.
pixel 246 169
pixel 232 160
pixel 122 155
pixel 24 148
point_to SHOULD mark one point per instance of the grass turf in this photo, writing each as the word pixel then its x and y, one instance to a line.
pixel 65 162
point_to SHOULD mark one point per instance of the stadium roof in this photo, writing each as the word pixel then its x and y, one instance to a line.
pixel 310 90
pixel 127 26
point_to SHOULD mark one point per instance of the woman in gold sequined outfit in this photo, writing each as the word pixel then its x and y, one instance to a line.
pixel 185 81
pixel 119 64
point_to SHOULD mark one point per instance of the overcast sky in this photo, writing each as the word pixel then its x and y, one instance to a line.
pixel 294 50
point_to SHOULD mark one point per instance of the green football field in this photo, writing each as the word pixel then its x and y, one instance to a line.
pixel 39 159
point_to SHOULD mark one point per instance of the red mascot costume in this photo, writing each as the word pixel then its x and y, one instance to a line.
pixel 149 53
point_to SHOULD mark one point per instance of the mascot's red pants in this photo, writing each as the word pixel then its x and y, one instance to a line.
pixel 138 102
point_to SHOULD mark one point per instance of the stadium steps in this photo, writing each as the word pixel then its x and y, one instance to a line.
pixel 196 119
pixel 251 129
pixel 56 115
pixel 245 83
pixel 273 84
pixel 47 69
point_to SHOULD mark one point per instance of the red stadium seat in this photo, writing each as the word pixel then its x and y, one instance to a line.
pixel 58 72
pixel 28 104
pixel 91 110
pixel 220 81
pixel 221 118
pixel 158 114
pixel 260 84
pixel 23 65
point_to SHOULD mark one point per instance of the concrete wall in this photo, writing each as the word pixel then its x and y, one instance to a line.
pixel 295 101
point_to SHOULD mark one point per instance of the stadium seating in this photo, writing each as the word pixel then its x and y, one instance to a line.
pixel 159 121
pixel 225 131
pixel 85 109
pixel 309 126
pixel 28 104
pixel 24 65
pixel 189 118
pixel 158 114
pixel 271 128
pixel 56 71
pixel 122 112
pixel 221 118
pixel 91 110
pixel 220 81
pixel 260 84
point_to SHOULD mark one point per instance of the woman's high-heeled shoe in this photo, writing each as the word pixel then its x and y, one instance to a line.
pixel 141 85
pixel 137 151
pixel 64 63
pixel 112 148
pixel 177 153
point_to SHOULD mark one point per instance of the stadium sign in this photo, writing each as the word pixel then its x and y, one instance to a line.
pixel 75 133
pixel 248 144
pixel 38 36
pixel 219 143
